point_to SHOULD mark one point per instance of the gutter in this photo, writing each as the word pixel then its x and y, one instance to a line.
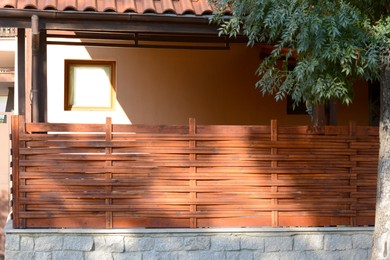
pixel 103 16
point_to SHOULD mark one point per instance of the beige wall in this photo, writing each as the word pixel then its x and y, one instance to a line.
pixel 4 177
pixel 5 130
pixel 163 86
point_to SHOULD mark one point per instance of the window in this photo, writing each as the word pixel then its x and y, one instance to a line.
pixel 300 109
pixel 3 102
pixel 89 85
pixel 374 102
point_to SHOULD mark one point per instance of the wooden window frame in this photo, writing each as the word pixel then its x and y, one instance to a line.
pixel 70 84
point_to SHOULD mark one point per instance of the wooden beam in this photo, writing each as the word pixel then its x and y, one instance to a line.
pixel 140 40
pixel 42 80
pixel 35 68
pixel 28 74
pixel 150 27
pixel 149 37
pixel 21 71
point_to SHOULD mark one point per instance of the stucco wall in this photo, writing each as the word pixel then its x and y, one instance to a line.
pixel 164 86
pixel 4 177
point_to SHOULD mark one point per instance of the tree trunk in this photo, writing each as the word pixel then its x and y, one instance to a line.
pixel 381 247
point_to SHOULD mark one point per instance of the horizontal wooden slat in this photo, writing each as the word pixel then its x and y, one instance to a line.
pixel 75 175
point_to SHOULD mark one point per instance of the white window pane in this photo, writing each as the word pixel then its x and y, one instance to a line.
pixel 90 85
pixel 3 103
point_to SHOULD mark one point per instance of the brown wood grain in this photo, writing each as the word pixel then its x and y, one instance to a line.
pixel 111 176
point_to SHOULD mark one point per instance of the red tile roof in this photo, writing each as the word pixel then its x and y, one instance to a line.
pixel 178 7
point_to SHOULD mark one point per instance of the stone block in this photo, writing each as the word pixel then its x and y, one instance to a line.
pixel 252 243
pixel 27 243
pixel 127 256
pixel 197 255
pixel 112 244
pixel 74 255
pixel 18 255
pixel 369 251
pixel 308 242
pixel 169 244
pixel 267 256
pixel 225 243
pixel 97 255
pixel 48 243
pixel 80 243
pixel 152 255
pixel 362 241
pixel 359 254
pixel 274 244
pixel 12 242
pixel 42 256
pixel 138 244
pixel 331 255
pixel 197 243
pixel 322 255
pixel 241 255
pixel 337 242
pixel 293 255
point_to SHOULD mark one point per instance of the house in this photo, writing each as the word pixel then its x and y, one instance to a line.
pixel 169 64
pixel 148 66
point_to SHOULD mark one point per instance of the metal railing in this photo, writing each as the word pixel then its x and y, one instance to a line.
pixel 7 69
pixel 7 32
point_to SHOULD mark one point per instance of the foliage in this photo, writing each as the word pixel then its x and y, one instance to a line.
pixel 334 43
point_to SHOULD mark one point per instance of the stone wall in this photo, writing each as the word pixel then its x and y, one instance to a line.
pixel 188 244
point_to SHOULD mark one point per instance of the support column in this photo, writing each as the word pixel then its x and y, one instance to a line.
pixel 39 88
pixel 325 114
pixel 28 74
pixel 42 80
pixel 35 68
pixel 21 66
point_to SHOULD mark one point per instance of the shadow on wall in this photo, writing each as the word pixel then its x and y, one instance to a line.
pixel 4 206
pixel 158 86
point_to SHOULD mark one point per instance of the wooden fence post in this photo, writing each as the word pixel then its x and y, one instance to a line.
pixel 193 182
pixel 352 172
pixel 15 171
pixel 274 176
pixel 108 174
pixel 18 128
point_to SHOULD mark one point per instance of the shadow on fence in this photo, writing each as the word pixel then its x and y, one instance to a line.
pixel 124 176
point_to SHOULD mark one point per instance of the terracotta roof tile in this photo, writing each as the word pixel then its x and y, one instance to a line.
pixel 47 4
pixel 6 3
pixel 167 7
pixel 125 6
pixel 179 7
pixel 27 3
pixel 65 5
pixel 106 6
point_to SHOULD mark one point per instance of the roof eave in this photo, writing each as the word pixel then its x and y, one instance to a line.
pixel 54 19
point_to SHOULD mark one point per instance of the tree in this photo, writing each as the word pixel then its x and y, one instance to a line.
pixel 334 42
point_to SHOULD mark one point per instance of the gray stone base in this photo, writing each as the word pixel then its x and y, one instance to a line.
pixel 189 244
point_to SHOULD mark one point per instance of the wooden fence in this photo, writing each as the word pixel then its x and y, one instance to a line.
pixel 125 176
